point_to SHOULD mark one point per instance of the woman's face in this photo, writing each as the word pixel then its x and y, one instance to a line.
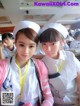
pixel 8 42
pixel 51 49
pixel 25 47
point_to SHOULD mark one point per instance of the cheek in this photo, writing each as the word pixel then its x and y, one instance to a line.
pixel 43 47
pixel 57 47
pixel 5 44
pixel 19 49
pixel 33 50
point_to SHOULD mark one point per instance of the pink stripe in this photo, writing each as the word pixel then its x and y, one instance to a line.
pixel 43 74
pixel 3 64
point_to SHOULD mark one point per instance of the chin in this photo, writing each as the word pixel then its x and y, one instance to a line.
pixel 23 58
pixel 49 55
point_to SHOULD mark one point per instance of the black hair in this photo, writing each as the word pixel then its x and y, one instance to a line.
pixel 50 35
pixel 29 33
pixel 7 35
pixel 76 34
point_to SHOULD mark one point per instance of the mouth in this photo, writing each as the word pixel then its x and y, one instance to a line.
pixel 25 55
pixel 48 52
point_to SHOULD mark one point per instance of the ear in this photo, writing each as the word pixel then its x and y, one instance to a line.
pixel 62 42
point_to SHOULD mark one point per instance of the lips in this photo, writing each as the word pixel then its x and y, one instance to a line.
pixel 49 53
pixel 25 55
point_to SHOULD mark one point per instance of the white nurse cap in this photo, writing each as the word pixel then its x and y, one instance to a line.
pixel 26 24
pixel 57 26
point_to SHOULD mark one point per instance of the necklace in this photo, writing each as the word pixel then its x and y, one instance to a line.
pixel 22 78
pixel 60 66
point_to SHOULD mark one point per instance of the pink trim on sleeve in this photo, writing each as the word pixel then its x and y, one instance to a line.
pixel 3 64
pixel 43 74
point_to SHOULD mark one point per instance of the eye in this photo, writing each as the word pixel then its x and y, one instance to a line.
pixel 21 45
pixel 53 43
pixel 32 46
pixel 43 43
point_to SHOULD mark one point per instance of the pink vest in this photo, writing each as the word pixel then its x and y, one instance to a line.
pixel 43 76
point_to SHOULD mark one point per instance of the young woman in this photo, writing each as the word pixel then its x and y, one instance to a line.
pixel 27 78
pixel 63 67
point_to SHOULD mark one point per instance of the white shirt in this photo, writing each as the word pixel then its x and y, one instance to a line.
pixel 64 87
pixel 30 91
pixel 8 53
pixel 75 44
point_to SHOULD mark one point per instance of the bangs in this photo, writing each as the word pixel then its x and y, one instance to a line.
pixel 50 35
pixel 29 33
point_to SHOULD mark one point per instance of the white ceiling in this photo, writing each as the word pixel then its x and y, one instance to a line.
pixel 14 11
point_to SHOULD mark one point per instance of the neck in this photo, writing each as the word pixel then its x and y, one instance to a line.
pixel 21 62
pixel 56 56
pixel 11 47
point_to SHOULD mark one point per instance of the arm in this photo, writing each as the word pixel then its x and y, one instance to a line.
pixel 47 96
pixel 78 84
pixel 43 75
pixel 3 65
pixel 1 54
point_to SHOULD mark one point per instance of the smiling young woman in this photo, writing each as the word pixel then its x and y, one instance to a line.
pixel 24 76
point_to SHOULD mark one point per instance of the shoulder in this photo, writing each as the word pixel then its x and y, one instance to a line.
pixel 38 62
pixel 3 62
pixel 71 58
pixel 3 65
pixel 68 54
pixel 40 66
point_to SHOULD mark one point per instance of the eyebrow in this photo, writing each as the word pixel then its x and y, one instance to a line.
pixel 29 44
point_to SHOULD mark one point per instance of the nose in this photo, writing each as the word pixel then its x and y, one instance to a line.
pixel 26 50
pixel 48 48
